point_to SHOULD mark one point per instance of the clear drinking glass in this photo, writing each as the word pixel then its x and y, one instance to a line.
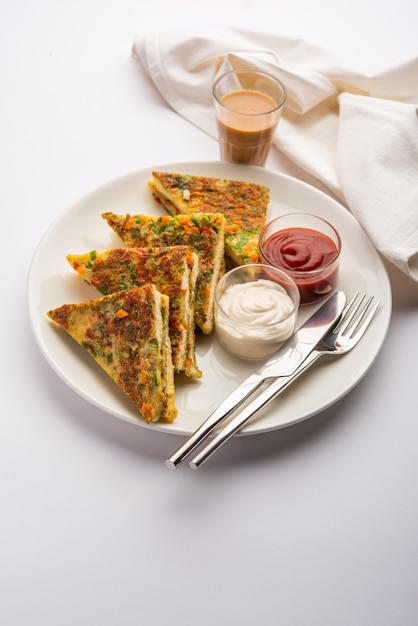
pixel 248 106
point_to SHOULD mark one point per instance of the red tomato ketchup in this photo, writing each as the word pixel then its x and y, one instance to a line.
pixel 309 256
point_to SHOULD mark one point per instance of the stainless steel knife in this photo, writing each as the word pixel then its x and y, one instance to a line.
pixel 281 365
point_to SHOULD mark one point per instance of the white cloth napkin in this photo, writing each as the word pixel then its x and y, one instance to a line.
pixel 356 133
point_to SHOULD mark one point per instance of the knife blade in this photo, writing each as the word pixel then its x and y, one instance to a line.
pixel 282 364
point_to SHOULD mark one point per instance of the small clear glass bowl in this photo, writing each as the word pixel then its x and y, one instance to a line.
pixel 256 308
pixel 293 243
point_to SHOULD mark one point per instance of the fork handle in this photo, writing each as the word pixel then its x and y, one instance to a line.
pixel 274 389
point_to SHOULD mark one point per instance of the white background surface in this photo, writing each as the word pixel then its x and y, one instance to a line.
pixel 314 524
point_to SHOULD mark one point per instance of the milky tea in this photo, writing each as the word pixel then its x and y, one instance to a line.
pixel 248 106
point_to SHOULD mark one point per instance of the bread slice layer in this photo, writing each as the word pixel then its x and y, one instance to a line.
pixel 127 334
pixel 244 205
pixel 173 270
pixel 204 233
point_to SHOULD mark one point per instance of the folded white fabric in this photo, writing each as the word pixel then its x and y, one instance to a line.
pixel 356 133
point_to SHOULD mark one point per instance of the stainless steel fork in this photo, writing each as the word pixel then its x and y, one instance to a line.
pixel 354 322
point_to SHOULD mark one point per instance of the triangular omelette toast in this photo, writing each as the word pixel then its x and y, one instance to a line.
pixel 203 232
pixel 173 270
pixel 127 335
pixel 244 205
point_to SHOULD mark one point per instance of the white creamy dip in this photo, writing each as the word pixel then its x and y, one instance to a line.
pixel 252 319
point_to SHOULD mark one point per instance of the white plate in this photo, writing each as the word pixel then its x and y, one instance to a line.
pixel 53 282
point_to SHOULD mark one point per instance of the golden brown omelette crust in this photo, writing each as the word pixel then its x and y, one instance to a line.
pixel 122 333
pixel 243 203
pixel 117 269
pixel 239 201
pixel 203 232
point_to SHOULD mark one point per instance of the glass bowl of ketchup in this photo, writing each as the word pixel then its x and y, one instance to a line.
pixel 307 248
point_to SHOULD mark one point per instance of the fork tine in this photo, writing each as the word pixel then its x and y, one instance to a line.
pixel 359 327
pixel 353 321
pixel 348 313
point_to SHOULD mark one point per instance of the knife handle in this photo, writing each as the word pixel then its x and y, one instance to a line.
pixel 224 410
pixel 275 388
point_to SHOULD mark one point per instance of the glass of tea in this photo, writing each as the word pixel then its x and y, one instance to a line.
pixel 248 105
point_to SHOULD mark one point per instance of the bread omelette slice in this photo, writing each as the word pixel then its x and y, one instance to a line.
pixel 173 270
pixel 244 205
pixel 126 333
pixel 203 232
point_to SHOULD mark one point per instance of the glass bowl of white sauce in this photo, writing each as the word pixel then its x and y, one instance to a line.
pixel 256 308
